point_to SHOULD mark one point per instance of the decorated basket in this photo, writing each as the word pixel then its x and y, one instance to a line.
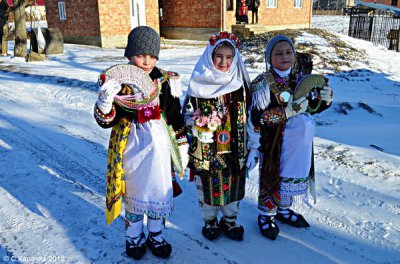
pixel 132 78
pixel 307 84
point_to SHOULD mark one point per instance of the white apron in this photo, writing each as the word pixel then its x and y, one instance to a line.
pixel 147 167
pixel 297 146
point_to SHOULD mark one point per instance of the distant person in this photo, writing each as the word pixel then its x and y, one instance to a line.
pixel 254 10
pixel 281 134
pixel 243 13
pixel 238 5
pixel 142 106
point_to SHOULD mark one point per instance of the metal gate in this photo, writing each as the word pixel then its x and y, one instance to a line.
pixel 378 26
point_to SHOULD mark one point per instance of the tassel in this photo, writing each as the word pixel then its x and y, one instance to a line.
pixel 175 85
pixel 261 98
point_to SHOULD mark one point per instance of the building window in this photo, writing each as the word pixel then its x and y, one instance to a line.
pixel 298 3
pixel 271 3
pixel 61 10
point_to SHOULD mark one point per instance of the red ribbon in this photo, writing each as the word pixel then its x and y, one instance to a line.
pixel 148 113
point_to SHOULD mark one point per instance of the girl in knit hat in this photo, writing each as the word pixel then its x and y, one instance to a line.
pixel 281 135
pixel 141 103
pixel 215 116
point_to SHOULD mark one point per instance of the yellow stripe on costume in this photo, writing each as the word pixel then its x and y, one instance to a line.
pixel 115 174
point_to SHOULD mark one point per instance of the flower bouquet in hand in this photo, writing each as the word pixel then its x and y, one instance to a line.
pixel 206 121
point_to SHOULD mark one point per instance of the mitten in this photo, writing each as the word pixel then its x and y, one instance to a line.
pixel 327 94
pixel 296 107
pixel 107 92
pixel 252 159
pixel 184 151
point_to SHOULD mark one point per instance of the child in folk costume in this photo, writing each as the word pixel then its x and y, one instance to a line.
pixel 281 135
pixel 141 143
pixel 215 116
pixel 243 13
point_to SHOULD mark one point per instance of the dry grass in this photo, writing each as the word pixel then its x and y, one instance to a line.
pixel 253 49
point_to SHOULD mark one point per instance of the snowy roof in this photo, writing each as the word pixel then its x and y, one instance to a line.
pixel 387 8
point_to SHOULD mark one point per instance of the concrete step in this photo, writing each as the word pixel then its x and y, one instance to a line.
pixel 248 29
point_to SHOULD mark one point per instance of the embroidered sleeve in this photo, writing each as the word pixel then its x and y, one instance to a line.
pixel 105 120
pixel 273 116
pixel 260 92
pixel 175 85
pixel 174 82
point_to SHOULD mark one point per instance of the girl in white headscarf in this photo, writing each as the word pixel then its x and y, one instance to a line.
pixel 215 115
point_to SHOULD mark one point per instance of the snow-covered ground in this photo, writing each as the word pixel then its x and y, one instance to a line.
pixel 53 157
pixel 334 24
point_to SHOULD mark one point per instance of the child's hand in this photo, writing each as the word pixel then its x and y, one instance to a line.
pixel 296 107
pixel 252 159
pixel 327 94
pixel 106 95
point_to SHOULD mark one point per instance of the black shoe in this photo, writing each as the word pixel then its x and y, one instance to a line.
pixel 211 229
pixel 232 229
pixel 272 230
pixel 136 250
pixel 292 218
pixel 161 248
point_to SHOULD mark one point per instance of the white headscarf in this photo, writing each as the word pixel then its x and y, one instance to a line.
pixel 208 82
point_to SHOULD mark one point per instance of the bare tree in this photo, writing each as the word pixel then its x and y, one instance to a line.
pixel 4 11
pixel 20 27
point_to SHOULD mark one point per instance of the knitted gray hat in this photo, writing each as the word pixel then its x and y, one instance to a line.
pixel 271 44
pixel 143 40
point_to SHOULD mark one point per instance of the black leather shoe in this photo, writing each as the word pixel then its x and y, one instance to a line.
pixel 161 248
pixel 232 230
pixel 268 227
pixel 292 218
pixel 211 229
pixel 136 250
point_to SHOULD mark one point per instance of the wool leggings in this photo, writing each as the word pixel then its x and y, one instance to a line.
pixel 209 212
